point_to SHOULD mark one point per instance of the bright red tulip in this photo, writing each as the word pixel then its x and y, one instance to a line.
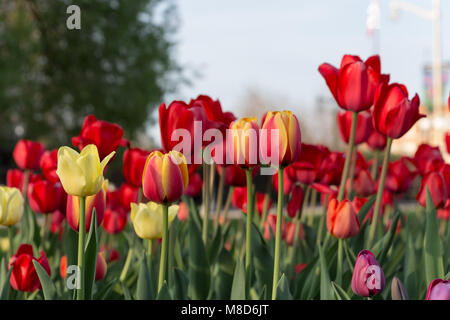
pixel 331 169
pixel 363 129
pixel 234 175
pixel 133 165
pixel 353 85
pixel 376 140
pixel 306 169
pixel 399 176
pixel 114 221
pixel 368 278
pixel 299 267
pixel 393 113
pixel 447 141
pixel 105 135
pixel 48 163
pixel 295 202
pixel 126 195
pixel 27 154
pixel 342 219
pixel 438 290
pixel 14 178
pixel 24 276
pixel 194 187
pixel 45 196
pixel 290 233
pixel 437 187
pixel 427 158
pixel 239 200
pixel 363 184
pixel 213 110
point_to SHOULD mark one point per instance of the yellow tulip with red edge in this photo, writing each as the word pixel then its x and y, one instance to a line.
pixel 244 142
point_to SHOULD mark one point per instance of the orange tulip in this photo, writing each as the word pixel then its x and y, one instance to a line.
pixel 165 176
pixel 342 219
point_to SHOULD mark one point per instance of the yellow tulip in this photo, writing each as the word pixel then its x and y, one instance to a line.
pixel 147 219
pixel 81 174
pixel 11 206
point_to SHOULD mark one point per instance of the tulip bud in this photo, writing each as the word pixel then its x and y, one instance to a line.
pixel 368 277
pixel 147 219
pixel 165 177
pixel 81 174
pixel 438 290
pixel 398 290
pixel 342 219
pixel 11 206
pixel 27 154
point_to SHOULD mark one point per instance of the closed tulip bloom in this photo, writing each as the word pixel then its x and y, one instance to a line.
pixel 27 154
pixel 289 142
pixel 399 176
pixel 368 278
pixel 165 176
pixel 376 140
pixel 24 277
pixel 398 290
pixel 81 174
pixel 15 177
pixel 427 158
pixel 363 129
pixel 97 201
pixel 353 85
pixel 106 136
pixel 342 219
pixel 126 195
pixel 306 169
pixel 243 142
pixel 363 183
pixel 114 221
pixel 219 119
pixel 194 187
pixel 438 290
pixel 45 196
pixel 147 219
pixel 393 113
pixel 438 190
pixel 49 164
pixel 133 165
pixel 11 206
pixel 331 169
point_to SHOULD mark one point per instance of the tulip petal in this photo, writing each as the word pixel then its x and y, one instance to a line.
pixel 172 180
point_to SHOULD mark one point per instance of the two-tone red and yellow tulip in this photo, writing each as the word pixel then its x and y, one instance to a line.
pixel 27 154
pixel 147 219
pixel 243 142
pixel 45 196
pixel 97 201
pixel 368 278
pixel 289 143
pixel 342 219
pixel 11 206
pixel 81 174
pixel 165 176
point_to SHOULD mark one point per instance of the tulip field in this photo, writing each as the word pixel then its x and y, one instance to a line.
pixel 240 209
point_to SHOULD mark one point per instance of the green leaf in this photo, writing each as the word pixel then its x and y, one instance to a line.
pixel 48 287
pixel 180 284
pixel 366 208
pixel 4 292
pixel 70 244
pixel 262 261
pixel 90 256
pixel 325 285
pixel 434 265
pixel 387 243
pixel 216 244
pixel 339 292
pixel 144 283
pixel 238 287
pixel 410 265
pixel 223 274
pixel 106 290
pixel 283 292
pixel 164 293
pixel 199 272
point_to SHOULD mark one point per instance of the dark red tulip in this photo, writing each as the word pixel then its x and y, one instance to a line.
pixel 306 169
pixel 445 171
pixel 111 253
pixel 331 169
pixel 363 184
pixel 363 129
pixel 48 164
pixel 114 220
pixel 133 165
pixel 105 135
pixel 393 113
pixel 399 176
pixel 214 113
pixel 288 183
pixel 295 202
pixel 353 85
pixel 438 190
pixel 427 158
pixel 127 194
pixel 27 154
pixel 24 277
pixel 444 213
pixel 194 187
pixel 438 289
pixel 376 140
pixel 14 178
pixel 45 196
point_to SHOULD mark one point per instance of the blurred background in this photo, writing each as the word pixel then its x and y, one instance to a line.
pixel 253 55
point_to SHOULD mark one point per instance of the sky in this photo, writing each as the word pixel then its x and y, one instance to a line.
pixel 277 46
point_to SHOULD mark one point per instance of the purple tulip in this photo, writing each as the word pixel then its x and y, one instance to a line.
pixel 368 277
pixel 438 290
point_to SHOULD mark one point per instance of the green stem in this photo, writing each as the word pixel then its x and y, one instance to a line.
pixel 312 206
pixel 219 198
pixel 81 238
pixel 276 264
pixel 339 262
pixel 206 193
pixel 248 234
pixel 45 229
pixel 297 222
pixel 162 265
pixel 11 243
pixel 348 157
pixel 226 209
pixel 322 220
pixel 374 171
pixel 149 254
pixel 123 274
pixel 352 171
pixel 379 198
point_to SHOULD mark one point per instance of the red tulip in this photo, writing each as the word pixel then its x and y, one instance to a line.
pixel 393 113
pixel 447 141
pixel 363 184
pixel 213 110
pixel 105 135
pixel 48 163
pixel 27 154
pixel 133 165
pixel 399 176
pixel 299 267
pixel 438 190
pixel 361 163
pixel 114 221
pixel 126 195
pixel 295 202
pixel 427 158
pixel 368 278
pixel 358 203
pixel 56 226
pixel 234 175
pixel 239 200
pixel 271 223
pixel 290 233
pixel 288 183
pixel 306 169
pixel 438 290
pixel 363 129
pixel 24 276
pixel 194 187
pixel 444 213
pixel 45 196
pixel 353 85
pixel 342 219
pixel 14 178
pixel 331 169
pixel 376 140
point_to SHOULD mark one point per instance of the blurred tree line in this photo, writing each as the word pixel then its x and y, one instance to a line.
pixel 118 66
